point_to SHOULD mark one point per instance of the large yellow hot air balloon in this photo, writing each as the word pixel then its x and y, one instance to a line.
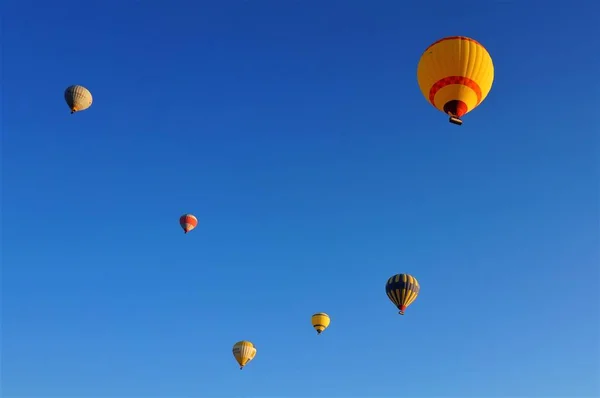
pixel 320 321
pixel 402 290
pixel 455 75
pixel 244 351
pixel 78 98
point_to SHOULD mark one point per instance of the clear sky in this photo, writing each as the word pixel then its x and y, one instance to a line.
pixel 296 132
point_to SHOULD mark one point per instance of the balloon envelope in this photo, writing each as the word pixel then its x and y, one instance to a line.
pixel 78 98
pixel 402 290
pixel 244 352
pixel 320 321
pixel 455 75
pixel 188 222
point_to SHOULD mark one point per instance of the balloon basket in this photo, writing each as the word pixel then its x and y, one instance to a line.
pixel 455 120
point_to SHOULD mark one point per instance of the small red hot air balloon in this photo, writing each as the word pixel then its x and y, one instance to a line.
pixel 188 222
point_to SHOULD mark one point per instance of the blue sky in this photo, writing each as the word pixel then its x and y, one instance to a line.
pixel 296 133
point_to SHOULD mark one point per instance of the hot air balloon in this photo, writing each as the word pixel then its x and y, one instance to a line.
pixel 402 290
pixel 244 352
pixel 78 98
pixel 320 321
pixel 188 222
pixel 455 75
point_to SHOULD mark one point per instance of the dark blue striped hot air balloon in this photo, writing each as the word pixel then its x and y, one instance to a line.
pixel 402 290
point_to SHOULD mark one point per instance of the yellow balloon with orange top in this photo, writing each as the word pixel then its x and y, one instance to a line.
pixel 455 75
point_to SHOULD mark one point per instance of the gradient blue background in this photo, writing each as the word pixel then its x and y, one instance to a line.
pixel 296 132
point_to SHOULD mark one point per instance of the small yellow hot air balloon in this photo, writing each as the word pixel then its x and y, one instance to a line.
pixel 455 75
pixel 244 351
pixel 402 290
pixel 320 322
pixel 78 98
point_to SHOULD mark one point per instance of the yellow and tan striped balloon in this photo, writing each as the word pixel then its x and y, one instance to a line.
pixel 244 352
pixel 78 98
